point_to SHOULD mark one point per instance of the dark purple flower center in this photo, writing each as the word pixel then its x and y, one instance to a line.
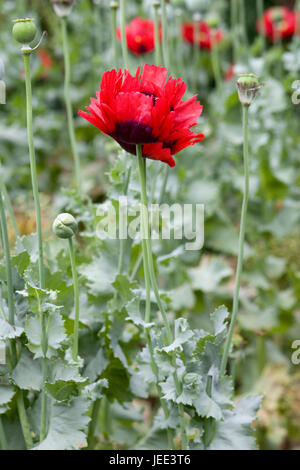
pixel 131 132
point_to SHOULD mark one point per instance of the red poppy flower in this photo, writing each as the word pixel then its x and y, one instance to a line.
pixel 139 36
pixel 146 109
pixel 207 36
pixel 278 23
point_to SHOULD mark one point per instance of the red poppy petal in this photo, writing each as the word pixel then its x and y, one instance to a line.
pixel 153 75
pixel 134 107
pixel 157 152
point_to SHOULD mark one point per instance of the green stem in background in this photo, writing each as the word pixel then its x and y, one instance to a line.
pixel 24 420
pixel 145 235
pixel 241 244
pixel 69 108
pixel 114 8
pixel 260 12
pixel 8 265
pixel 3 440
pixel 11 318
pixel 165 37
pixel 216 67
pixel 243 21
pixel 234 27
pixel 123 34
pixel 76 299
pixel 123 240
pixel 196 49
pixel 44 345
pixel 148 256
pixel 93 424
pixel 163 188
pixel 33 169
pixel 158 54
pixel 9 208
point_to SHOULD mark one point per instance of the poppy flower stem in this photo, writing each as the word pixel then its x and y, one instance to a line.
pixel 156 6
pixel 11 318
pixel 216 66
pixel 260 12
pixel 3 440
pixel 241 244
pixel 6 249
pixel 234 24
pixel 196 49
pixel 165 38
pixel 243 21
pixel 123 34
pixel 114 8
pixel 123 240
pixel 151 277
pixel 9 208
pixel 68 102
pixel 76 299
pixel 33 169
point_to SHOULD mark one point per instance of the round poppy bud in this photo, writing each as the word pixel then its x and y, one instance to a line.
pixel 114 5
pixel 65 226
pixel 63 7
pixel 213 21
pixel 24 30
pixel 248 85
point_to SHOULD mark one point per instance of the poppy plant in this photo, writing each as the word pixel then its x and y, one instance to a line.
pixel 147 110
pixel 278 23
pixel 207 36
pixel 139 36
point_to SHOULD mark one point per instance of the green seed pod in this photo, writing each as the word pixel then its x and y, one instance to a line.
pixel 24 30
pixel 114 5
pixel 65 226
pixel 248 85
pixel 63 7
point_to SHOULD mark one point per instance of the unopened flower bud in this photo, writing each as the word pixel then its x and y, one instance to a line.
pixel 190 378
pixel 114 5
pixel 213 21
pixel 63 7
pixel 248 85
pixel 65 226
pixel 24 30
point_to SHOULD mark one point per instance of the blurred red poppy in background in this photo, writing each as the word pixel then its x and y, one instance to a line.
pixel 207 36
pixel 139 36
pixel 278 23
pixel 146 109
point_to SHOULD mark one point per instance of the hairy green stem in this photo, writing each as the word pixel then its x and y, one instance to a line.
pixel 93 424
pixel 76 299
pixel 11 318
pixel 165 38
pixel 114 35
pixel 196 52
pixel 8 265
pixel 3 440
pixel 44 347
pixel 9 208
pixel 234 25
pixel 24 420
pixel 241 244
pixel 145 234
pixel 33 169
pixel 148 256
pixel 123 34
pixel 69 108
pixel 260 12
pixel 216 67
pixel 156 36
